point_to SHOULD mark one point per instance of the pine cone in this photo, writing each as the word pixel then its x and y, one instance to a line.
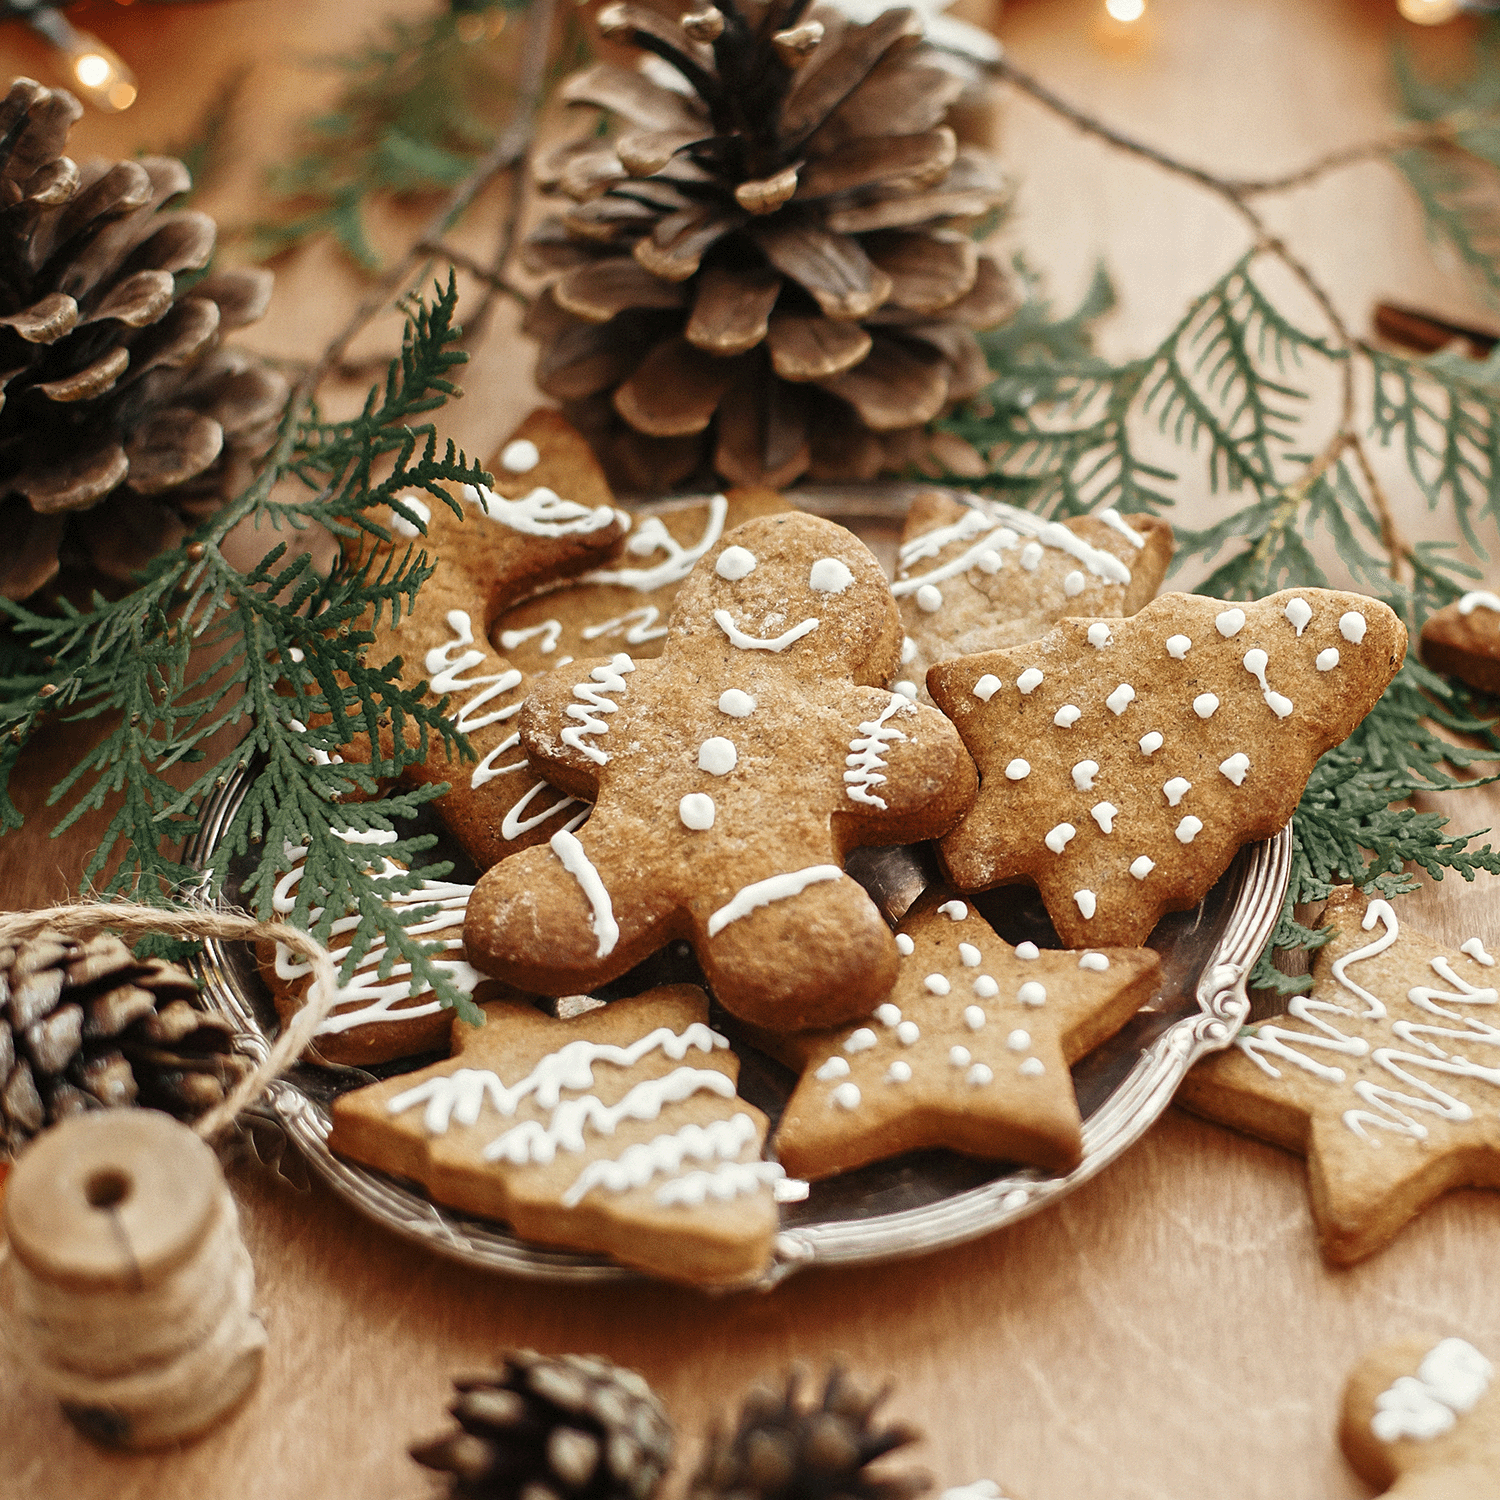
pixel 771 269
pixel 554 1429
pixel 85 1025
pixel 122 422
pixel 786 1449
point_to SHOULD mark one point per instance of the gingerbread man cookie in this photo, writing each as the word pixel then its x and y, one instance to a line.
pixel 1386 1076
pixel 732 774
pixel 970 1051
pixel 549 516
pixel 1123 762
pixel 1463 640
pixel 1421 1421
pixel 982 576
pixel 618 1131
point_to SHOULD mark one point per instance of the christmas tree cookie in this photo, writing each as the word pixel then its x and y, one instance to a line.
pixel 1386 1076
pixel 731 774
pixel 971 1050
pixel 618 1131
pixel 1123 762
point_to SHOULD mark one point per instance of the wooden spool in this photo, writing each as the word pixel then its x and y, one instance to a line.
pixel 131 1286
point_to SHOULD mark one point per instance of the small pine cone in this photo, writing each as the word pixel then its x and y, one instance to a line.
pixel 768 268
pixel 87 1025
pixel 574 1428
pixel 122 421
pixel 785 1448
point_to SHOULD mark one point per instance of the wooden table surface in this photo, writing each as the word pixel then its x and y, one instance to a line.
pixel 1167 1333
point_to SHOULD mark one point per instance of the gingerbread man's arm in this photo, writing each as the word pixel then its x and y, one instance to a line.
pixel 906 769
pixel 574 716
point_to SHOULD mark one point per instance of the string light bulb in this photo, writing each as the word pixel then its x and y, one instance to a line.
pixel 1125 10
pixel 96 70
pixel 1429 12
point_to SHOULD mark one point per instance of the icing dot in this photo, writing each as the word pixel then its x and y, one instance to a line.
pixel 1256 661
pixel 1057 840
pixel 1084 773
pixel 979 1075
pixel 846 1096
pixel 960 1057
pixel 860 1041
pixel 1329 659
pixel 1230 622
pixel 1177 646
pixel 1032 993
pixel 974 1018
pixel 888 1015
pixel 1099 635
pixel 989 561
pixel 835 1067
pixel 735 563
pixel 1176 789
pixel 717 756
pixel 904 944
pixel 829 576
pixel 985 987
pixel 1088 903
pixel 986 687
pixel 936 984
pixel 1120 698
pixel 1104 814
pixel 929 599
pixel 907 690
pixel 1474 947
pixel 1352 627
pixel 969 954
pixel 696 811
pixel 955 911
pixel 1073 584
pixel 1236 767
pixel 1098 962
pixel 1018 1040
pixel 1028 951
pixel 908 651
pixel 1279 705
pixel 1031 555
pixel 1150 743
pixel 908 1032
pixel 1067 716
pixel 520 456
pixel 1029 680
pixel 1299 612
pixel 1142 866
pixel 1189 829
pixel 1204 705
pixel 735 703
pixel 899 1072
pixel 1018 769
pixel 1032 1067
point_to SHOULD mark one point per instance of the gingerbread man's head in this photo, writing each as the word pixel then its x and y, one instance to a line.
pixel 832 616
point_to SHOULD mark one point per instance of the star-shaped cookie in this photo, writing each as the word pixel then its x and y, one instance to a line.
pixel 1421 1421
pixel 1387 1076
pixel 1124 762
pixel 617 1131
pixel 971 1051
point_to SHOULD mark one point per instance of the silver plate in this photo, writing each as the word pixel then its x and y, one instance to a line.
pixel 891 1209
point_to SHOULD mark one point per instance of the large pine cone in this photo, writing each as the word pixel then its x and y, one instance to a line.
pixel 574 1428
pixel 87 1025
pixel 787 1448
pixel 770 265
pixel 122 421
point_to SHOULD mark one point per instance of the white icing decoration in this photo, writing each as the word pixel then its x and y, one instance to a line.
pixel 652 536
pixel 445 676
pixel 697 811
pixel 718 1141
pixel 1236 767
pixel 541 513
pixel 1032 993
pixel 899 1072
pixel 1204 705
pixel 422 510
pixel 955 911
pixel 1018 1041
pixel 907 1033
pixel 1067 716
pixel 520 456
pixel 1028 951
pixel 936 984
pixel 904 944
pixel 1189 829
pixel 1176 789
pixel 860 1041
pixel 1074 583
pixel 1033 1067
pixel 1142 866
pixel 717 756
pixel 987 687
pixel 1104 814
pixel 888 1015
pixel 1229 622
pixel 1328 659
pixel 1099 635
pixel 1178 646
pixel 576 862
pixel 1113 519
pixel 989 561
pixel 1018 769
pixel 866 758
pixel 736 703
pixel 847 1096
pixel 835 1067
pixel 1479 599
pixel 1098 962
pixel 979 1075
pixel 929 599
pixel 974 1018
pixel 985 988
pixel 639 626
pixel 593 698
pixel 1119 700
pixel 735 563
pixel 960 1057
pixel 829 576
pixel 968 955
pixel 1449 1381
pixel 1474 947
pixel 908 651
pixel 1029 680
pixel 737 637
pixel 1057 839
pixel 1031 556
pixel 549 630
pixel 1255 664
pixel 764 892
pixel 907 690
pixel 1151 743
pixel 729 1180
pixel 1084 773
pixel 515 822
pixel 1088 903
pixel 1352 627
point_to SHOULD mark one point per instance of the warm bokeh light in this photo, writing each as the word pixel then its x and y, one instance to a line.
pixel 1126 10
pixel 92 71
pixel 1429 12
pixel 101 75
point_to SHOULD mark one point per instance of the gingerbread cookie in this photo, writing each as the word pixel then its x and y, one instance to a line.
pixel 618 1131
pixel 970 1051
pixel 1386 1076
pixel 983 576
pixel 1421 1419
pixel 549 516
pixel 732 774
pixel 1123 762
pixel 381 1018
pixel 1463 640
